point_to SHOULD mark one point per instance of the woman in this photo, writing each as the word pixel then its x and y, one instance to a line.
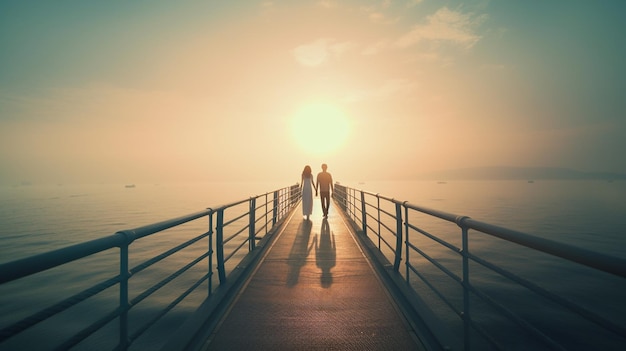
pixel 306 187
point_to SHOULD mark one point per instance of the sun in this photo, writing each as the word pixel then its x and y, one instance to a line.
pixel 320 129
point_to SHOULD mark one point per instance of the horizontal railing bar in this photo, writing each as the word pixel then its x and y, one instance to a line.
pixel 149 229
pixel 439 265
pixel 243 215
pixel 237 248
pixel 370 205
pixel 388 244
pixel 434 238
pixel 377 195
pixel 436 213
pixel 285 199
pixel 391 231
pixel 86 332
pixel 264 218
pixel 605 263
pixel 61 306
pixel 389 214
pixel 436 291
pixel 140 267
pixel 583 312
pixel 515 318
pixel 34 264
pixel 359 211
pixel 236 234
pixel 372 229
pixel 169 307
pixel 168 279
pixel 236 203
pixel 368 215
pixel 261 229
pixel 260 220
pixel 490 339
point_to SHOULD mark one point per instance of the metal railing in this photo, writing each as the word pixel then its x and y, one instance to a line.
pixel 441 272
pixel 232 228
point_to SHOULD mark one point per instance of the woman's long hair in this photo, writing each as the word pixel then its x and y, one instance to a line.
pixel 306 173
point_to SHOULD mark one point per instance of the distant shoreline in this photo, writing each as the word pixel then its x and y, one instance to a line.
pixel 518 173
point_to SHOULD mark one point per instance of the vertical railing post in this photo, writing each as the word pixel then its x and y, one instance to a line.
pixel 219 245
pixel 265 214
pixel 349 204
pixel 353 206
pixel 210 273
pixel 293 195
pixel 398 255
pixel 466 282
pixel 363 213
pixel 378 221
pixel 407 241
pixel 275 209
pixel 251 226
pixel 124 275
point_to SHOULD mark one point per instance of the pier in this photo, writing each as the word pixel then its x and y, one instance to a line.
pixel 373 275
pixel 314 289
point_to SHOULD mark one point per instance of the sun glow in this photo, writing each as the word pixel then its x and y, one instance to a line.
pixel 320 129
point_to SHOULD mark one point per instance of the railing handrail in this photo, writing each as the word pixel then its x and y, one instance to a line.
pixel 586 257
pixel 20 268
pixel 278 203
pixel 589 258
pixel 359 203
pixel 593 259
pixel 23 267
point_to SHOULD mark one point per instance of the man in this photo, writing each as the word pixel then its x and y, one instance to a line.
pixel 325 184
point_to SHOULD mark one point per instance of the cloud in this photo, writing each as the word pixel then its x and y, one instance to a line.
pixel 445 25
pixel 376 17
pixel 375 48
pixel 376 13
pixel 412 3
pixel 327 4
pixel 390 88
pixel 321 51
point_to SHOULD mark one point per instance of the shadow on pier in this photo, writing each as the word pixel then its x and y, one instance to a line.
pixel 314 289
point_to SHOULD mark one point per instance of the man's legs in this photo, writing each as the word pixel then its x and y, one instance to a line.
pixel 325 197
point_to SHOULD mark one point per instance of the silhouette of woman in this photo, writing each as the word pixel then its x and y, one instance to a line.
pixel 306 186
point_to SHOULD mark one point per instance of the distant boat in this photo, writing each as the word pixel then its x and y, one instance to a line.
pixel 442 182
pixel 130 185
pixel 531 181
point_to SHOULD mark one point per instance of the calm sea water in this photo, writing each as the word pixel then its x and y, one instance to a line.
pixel 583 213
pixel 586 214
pixel 37 219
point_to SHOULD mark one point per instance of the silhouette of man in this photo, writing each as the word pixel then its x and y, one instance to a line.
pixel 325 184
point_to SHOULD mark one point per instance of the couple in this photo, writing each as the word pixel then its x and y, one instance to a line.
pixel 324 183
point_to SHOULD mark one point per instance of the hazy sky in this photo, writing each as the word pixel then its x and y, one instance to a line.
pixel 159 91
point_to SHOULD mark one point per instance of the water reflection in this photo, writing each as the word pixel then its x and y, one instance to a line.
pixel 299 252
pixel 325 254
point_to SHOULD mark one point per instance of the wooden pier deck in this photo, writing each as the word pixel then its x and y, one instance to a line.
pixel 313 290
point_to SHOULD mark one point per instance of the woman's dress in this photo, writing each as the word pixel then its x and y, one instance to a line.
pixel 307 196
